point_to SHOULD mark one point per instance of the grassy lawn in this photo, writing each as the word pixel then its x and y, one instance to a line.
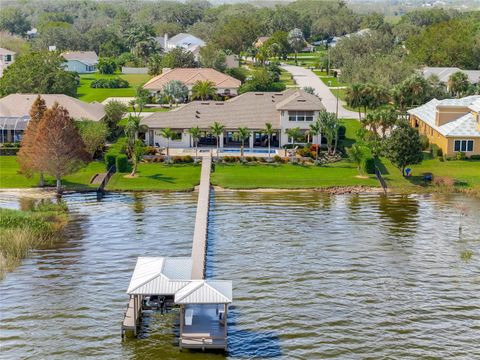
pixel 158 177
pixel 286 78
pixel 287 176
pixel 320 73
pixel 465 172
pixel 88 94
pixel 331 81
pixel 10 178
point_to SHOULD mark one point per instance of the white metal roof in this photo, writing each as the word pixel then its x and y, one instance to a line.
pixel 205 292
pixel 465 125
pixel 160 275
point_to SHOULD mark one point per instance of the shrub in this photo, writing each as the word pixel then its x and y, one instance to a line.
pixel 425 142
pixel 368 165
pixel 150 150
pixel 113 83
pixel 122 163
pixel 277 158
pixel 341 132
pixel 249 158
pixel 187 159
pixel 475 157
pixel 110 160
pixel 435 151
pixel 460 155
pixel 261 159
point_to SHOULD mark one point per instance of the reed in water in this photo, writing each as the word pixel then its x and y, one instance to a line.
pixel 37 225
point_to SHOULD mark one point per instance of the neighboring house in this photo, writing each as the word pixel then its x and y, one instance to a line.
pixel 184 40
pixel 452 124
pixel 82 62
pixel 225 84
pixel 444 73
pixel 308 47
pixel 15 109
pixel 7 57
pixel 284 110
pixel 32 33
pixel 231 62
pixel 334 41
pixel 260 41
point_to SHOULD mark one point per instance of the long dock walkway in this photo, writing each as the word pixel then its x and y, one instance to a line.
pixel 199 246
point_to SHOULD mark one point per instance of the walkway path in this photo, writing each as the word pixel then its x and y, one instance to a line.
pixel 201 221
pixel 305 77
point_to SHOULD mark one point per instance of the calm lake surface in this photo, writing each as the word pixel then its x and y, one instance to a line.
pixel 315 276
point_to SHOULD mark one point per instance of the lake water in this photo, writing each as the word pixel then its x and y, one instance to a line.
pixel 315 276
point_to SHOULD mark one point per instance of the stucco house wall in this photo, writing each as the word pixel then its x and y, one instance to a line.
pixel 79 67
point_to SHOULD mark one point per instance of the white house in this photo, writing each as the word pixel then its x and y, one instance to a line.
pixel 82 62
pixel 284 110
pixel 7 57
pixel 183 40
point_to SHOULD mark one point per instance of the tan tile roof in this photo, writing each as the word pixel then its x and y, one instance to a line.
pixel 251 110
pixel 190 75
pixel 301 100
pixel 18 105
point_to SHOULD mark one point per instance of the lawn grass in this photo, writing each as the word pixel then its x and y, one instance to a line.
pixel 465 172
pixel 331 81
pixel 88 94
pixel 11 178
pixel 158 177
pixel 288 176
pixel 286 78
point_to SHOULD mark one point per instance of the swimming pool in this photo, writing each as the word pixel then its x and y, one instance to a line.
pixel 249 151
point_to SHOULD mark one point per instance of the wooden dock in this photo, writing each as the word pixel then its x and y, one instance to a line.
pixel 199 246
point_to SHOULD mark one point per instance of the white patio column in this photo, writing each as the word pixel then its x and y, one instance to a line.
pixel 221 141
pixel 250 140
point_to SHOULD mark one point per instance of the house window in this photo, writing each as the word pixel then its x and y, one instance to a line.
pixel 463 145
pixel 300 116
pixel 8 57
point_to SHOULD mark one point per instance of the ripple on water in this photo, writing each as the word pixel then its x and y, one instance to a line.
pixel 315 276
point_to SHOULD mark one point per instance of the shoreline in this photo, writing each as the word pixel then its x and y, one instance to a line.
pixel 48 192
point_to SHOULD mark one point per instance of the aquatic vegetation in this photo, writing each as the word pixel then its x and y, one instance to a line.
pixel 38 225
pixel 466 255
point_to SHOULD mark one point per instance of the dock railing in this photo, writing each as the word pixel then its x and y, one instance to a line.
pixel 380 178
pixel 101 187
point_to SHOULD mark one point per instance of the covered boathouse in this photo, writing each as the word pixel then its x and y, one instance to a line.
pixel 203 303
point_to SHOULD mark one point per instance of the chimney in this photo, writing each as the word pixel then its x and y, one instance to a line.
pixel 165 41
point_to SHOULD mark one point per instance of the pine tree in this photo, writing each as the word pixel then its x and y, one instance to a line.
pixel 59 147
pixel 27 153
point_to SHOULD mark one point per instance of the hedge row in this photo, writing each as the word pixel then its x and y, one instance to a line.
pixel 113 83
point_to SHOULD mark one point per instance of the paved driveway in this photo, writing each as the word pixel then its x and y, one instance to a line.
pixel 305 77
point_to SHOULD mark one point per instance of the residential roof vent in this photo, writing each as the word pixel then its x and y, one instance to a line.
pixel 258 93
pixel 204 103
pixel 219 103
pixel 301 100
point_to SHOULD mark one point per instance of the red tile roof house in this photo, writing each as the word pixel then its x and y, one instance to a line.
pixel 225 84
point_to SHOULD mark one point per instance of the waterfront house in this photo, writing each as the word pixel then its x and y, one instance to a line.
pixel 82 62
pixel 225 84
pixel 260 41
pixel 288 109
pixel 15 109
pixel 7 57
pixel 452 124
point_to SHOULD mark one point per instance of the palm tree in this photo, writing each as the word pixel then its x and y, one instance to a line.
pixel 195 134
pixel 269 132
pixel 372 122
pixel 137 154
pixel 167 133
pixel 295 134
pixel 296 41
pixel 132 128
pixel 387 118
pixel 217 131
pixel 241 134
pixel 203 90
pixel 355 154
pixel 316 130
pixel 329 127
pixel 354 98
pixel 458 83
